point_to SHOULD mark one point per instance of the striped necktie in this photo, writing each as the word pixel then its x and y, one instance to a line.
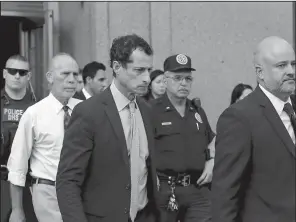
pixel 66 116
pixel 289 110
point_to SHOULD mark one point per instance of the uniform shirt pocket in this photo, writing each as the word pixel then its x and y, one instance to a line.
pixel 167 137
pixel 166 130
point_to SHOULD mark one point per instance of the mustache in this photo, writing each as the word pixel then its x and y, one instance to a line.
pixel 289 79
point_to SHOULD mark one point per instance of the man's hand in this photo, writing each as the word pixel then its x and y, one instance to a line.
pixel 207 174
pixel 17 215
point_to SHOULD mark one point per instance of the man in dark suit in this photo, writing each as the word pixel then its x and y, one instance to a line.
pixel 106 171
pixel 95 80
pixel 254 172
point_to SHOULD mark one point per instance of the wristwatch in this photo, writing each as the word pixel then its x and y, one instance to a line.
pixel 208 155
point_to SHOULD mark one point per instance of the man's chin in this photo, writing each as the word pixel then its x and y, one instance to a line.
pixel 183 95
pixel 141 92
pixel 289 89
pixel 69 94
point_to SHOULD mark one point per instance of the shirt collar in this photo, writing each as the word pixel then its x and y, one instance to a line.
pixel 120 100
pixel 276 102
pixel 86 94
pixel 58 106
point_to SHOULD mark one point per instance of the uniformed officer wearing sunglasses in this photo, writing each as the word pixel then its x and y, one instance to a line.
pixel 15 99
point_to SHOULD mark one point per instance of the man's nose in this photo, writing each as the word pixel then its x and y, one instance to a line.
pixel 146 76
pixel 17 75
pixel 183 82
pixel 72 78
pixel 291 69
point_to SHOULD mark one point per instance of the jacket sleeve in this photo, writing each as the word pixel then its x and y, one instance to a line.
pixel 75 155
pixel 232 164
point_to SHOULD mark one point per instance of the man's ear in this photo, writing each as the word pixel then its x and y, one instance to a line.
pixel 29 75
pixel 116 67
pixel 49 77
pixel 259 71
pixel 4 73
pixel 88 79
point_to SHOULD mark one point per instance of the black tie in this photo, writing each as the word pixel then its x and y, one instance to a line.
pixel 66 116
pixel 289 110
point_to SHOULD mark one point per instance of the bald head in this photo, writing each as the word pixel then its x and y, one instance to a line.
pixel 60 60
pixel 270 47
pixel 274 60
pixel 62 76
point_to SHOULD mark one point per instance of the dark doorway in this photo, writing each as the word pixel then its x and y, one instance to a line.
pixel 10 38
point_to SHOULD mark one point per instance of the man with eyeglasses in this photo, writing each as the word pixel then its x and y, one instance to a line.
pixel 39 138
pixel 15 99
pixel 184 144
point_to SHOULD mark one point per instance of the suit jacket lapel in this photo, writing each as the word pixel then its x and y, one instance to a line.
pixel 114 118
pixel 275 121
pixel 293 100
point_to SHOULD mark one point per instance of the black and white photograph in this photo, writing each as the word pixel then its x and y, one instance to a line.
pixel 148 111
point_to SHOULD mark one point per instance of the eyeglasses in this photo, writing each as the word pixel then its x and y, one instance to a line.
pixel 179 79
pixel 21 72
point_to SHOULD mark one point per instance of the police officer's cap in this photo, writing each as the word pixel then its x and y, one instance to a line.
pixel 178 62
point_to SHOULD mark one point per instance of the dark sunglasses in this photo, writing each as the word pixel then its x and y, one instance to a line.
pixel 21 72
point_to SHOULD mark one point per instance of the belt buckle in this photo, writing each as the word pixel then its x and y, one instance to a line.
pixel 186 181
pixel 3 166
pixel 35 182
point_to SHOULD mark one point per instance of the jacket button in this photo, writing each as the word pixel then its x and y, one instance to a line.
pixel 125 210
pixel 128 187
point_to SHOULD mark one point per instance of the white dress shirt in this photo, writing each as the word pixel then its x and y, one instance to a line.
pixel 86 94
pixel 122 106
pixel 279 106
pixel 39 137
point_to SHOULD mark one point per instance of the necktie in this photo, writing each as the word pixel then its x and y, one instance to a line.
pixel 289 110
pixel 134 157
pixel 66 116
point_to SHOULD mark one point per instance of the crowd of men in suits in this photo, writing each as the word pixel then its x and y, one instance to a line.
pixel 104 153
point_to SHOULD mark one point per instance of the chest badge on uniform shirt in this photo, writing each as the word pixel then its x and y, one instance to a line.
pixel 198 117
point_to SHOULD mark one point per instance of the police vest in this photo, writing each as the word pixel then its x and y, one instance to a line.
pixel 11 113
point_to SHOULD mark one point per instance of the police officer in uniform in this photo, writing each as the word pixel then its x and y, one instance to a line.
pixel 184 147
pixel 15 99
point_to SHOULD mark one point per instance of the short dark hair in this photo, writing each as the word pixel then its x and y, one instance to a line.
pixel 238 91
pixel 123 46
pixel 91 69
pixel 17 57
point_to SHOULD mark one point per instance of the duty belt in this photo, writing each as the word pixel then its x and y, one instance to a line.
pixel 180 179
